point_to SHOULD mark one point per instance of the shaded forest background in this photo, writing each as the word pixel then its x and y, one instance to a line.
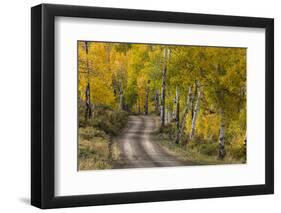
pixel 199 94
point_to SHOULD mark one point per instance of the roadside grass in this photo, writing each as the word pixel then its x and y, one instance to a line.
pixel 96 150
pixel 105 119
pixel 93 154
pixel 198 153
pixel 95 147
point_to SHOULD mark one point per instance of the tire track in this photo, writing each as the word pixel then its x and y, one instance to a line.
pixel 138 150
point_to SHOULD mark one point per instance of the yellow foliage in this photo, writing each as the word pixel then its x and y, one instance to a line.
pixel 208 125
pixel 93 68
pixel 142 86
pixel 123 73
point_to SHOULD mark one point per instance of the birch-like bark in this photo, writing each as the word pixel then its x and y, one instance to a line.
pixel 146 99
pixel 121 96
pixel 184 118
pixel 139 107
pixel 177 118
pixel 196 110
pixel 166 116
pixel 121 101
pixel 192 104
pixel 245 145
pixel 163 88
pixel 169 116
pixel 88 109
pixel 156 102
pixel 242 94
pixel 221 151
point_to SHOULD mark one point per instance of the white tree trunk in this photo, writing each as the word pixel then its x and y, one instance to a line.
pixel 168 116
pixel 156 102
pixel 222 137
pixel 245 145
pixel 196 110
pixel 88 109
pixel 121 96
pixel 163 88
pixel 184 118
pixel 121 101
pixel 245 139
pixel 146 100
pixel 177 118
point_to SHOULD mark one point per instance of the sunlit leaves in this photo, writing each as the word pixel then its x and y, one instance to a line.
pixel 130 70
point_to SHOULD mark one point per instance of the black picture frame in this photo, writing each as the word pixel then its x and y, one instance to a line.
pixel 43 102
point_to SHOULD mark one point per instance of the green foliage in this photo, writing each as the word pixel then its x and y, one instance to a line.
pixel 238 151
pixel 104 120
pixel 88 133
pixel 200 152
pixel 109 121
pixel 204 147
pixel 168 131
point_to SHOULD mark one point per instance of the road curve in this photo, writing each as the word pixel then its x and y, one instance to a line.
pixel 137 148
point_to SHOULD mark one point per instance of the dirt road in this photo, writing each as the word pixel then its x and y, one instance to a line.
pixel 137 148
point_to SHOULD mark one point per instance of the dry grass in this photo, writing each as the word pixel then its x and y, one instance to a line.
pixel 188 153
pixel 94 154
pixel 115 152
pixel 95 150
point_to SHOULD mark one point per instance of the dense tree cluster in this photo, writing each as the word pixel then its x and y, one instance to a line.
pixel 201 90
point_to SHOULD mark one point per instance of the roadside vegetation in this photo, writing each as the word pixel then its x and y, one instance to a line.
pixel 199 94
pixel 199 150
pixel 96 149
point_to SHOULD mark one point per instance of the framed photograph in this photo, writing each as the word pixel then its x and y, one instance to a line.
pixel 139 106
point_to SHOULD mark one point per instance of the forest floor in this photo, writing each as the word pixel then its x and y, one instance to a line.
pixel 192 152
pixel 139 149
pixel 140 144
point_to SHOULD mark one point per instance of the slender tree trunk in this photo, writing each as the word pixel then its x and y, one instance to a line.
pixel 136 107
pixel 168 116
pixel 221 151
pixel 121 101
pixel 156 102
pixel 139 107
pixel 184 118
pixel 177 109
pixel 193 102
pixel 107 51
pixel 159 103
pixel 245 139
pixel 88 109
pixel 241 98
pixel 163 88
pixel 245 146
pixel 196 110
pixel 147 97
pixel 146 100
pixel 121 97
